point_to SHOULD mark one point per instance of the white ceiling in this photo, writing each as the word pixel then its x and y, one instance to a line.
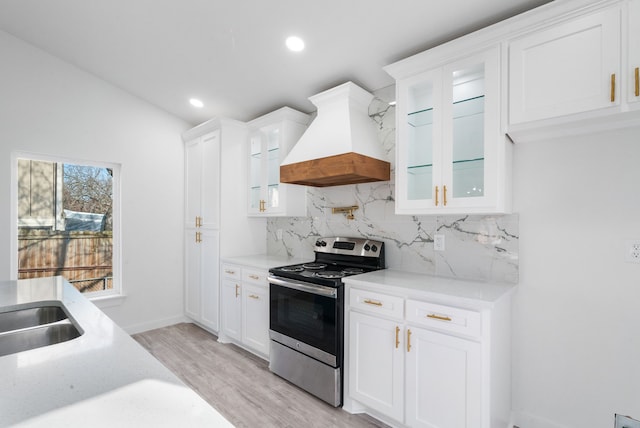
pixel 231 53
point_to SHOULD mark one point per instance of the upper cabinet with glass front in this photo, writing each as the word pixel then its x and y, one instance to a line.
pixel 270 139
pixel 451 156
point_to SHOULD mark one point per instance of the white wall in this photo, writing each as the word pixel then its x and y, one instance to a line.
pixel 576 344
pixel 50 107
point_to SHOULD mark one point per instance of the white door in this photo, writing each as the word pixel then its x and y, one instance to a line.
pixel 566 68
pixel 193 178
pixel 231 308
pixel 443 381
pixel 255 314
pixel 376 357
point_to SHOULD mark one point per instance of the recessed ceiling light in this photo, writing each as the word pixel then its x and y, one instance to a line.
pixel 295 43
pixel 196 103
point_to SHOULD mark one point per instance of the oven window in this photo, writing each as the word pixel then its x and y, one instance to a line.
pixel 306 317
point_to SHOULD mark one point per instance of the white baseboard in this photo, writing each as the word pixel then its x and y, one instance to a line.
pixel 150 325
pixel 528 420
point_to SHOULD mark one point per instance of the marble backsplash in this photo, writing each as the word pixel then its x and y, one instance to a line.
pixel 477 247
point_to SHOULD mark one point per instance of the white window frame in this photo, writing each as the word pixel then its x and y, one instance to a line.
pixel 103 298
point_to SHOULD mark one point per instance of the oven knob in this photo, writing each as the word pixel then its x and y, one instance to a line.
pixel 367 247
pixel 374 248
pixel 321 243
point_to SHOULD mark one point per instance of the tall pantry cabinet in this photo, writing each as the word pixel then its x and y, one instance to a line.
pixel 215 220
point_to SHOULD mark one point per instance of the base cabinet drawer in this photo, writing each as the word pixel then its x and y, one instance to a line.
pixel 445 318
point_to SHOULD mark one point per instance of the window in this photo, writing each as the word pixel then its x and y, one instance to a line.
pixel 67 219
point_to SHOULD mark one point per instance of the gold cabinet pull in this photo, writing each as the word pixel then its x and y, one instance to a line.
pixel 237 290
pixel 254 277
pixel 262 208
pixel 613 87
pixel 373 302
pixel 444 195
pixel 230 272
pixel 397 337
pixel 408 340
pixel 437 190
pixel 253 296
pixel 637 73
pixel 438 317
pixel 198 237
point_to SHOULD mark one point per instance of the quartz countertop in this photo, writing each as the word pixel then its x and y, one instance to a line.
pixel 103 378
pixel 463 293
pixel 262 261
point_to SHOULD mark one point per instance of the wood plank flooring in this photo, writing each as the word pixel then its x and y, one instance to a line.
pixel 239 385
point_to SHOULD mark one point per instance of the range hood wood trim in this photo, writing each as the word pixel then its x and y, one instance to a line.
pixel 337 170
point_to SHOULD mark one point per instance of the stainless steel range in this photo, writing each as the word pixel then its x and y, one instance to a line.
pixel 307 314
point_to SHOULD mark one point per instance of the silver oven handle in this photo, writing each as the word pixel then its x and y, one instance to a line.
pixel 302 286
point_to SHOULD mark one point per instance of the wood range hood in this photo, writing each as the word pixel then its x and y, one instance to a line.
pixel 340 146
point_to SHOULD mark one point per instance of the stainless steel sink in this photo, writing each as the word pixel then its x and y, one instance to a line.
pixel 24 318
pixel 30 328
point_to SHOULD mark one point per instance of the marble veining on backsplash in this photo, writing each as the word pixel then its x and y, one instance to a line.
pixel 477 247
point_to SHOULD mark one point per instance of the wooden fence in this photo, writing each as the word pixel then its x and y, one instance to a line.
pixel 83 258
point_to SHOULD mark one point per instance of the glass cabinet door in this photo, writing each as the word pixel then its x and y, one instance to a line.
pixel 467 127
pixel 273 167
pixel 255 172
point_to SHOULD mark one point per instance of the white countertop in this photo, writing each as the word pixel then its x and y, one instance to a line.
pixel 103 378
pixel 262 261
pixel 471 294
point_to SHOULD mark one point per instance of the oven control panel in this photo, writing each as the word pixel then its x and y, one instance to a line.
pixel 349 246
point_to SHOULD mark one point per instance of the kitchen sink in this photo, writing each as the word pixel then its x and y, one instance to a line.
pixel 32 317
pixel 25 329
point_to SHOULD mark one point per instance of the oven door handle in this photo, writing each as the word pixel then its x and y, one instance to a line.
pixel 320 290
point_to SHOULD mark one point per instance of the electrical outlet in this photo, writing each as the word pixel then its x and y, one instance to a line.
pixel 279 234
pixel 626 422
pixel 632 249
pixel 438 242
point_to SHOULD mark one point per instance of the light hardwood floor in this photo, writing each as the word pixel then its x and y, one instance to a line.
pixel 238 384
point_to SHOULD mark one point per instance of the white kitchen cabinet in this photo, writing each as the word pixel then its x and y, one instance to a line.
pixel 231 303
pixel 271 138
pixel 245 308
pixel 443 380
pixel 213 227
pixel 570 67
pixel 415 360
pixel 451 156
pixel 202 238
pixel 377 364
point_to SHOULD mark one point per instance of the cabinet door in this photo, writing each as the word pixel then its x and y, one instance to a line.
pixel 443 375
pixel 376 364
pixel 209 277
pixel 210 187
pixel 633 65
pixel 566 68
pixel 231 308
pixel 256 173
pixel 471 132
pixel 192 260
pixel 193 177
pixel 419 135
pixel 255 317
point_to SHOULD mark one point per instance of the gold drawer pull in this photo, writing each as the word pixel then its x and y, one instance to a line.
pixel 373 302
pixel 253 296
pixel 397 336
pixel 230 272
pixel 438 317
pixel 254 277
pixel 408 340
pixel 637 73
